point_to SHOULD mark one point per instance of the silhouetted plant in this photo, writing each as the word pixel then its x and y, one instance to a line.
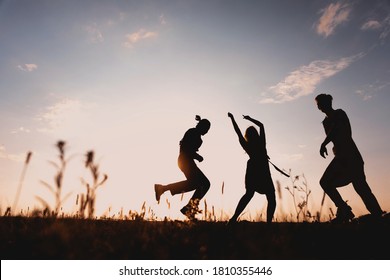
pixel 301 203
pixel 21 180
pixel 56 189
pixel 87 201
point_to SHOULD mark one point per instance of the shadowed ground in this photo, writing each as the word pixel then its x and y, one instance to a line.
pixel 45 238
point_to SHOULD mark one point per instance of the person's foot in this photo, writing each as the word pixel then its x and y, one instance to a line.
pixel 187 211
pixel 158 190
pixel 231 222
pixel 343 215
pixel 191 209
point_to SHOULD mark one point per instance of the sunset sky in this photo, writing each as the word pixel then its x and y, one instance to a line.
pixel 126 79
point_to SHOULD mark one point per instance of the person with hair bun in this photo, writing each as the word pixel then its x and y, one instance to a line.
pixel 195 179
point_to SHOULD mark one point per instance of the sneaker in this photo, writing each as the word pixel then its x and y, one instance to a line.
pixel 158 189
pixel 343 215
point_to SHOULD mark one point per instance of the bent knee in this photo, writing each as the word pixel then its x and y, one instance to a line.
pixel 206 183
pixel 324 183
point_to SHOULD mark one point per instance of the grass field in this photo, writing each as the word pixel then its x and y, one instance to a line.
pixel 79 239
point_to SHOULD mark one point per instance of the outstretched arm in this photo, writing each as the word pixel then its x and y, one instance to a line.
pixel 259 124
pixel 238 131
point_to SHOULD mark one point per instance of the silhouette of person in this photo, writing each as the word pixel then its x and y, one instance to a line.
pixel 195 179
pixel 347 166
pixel 258 176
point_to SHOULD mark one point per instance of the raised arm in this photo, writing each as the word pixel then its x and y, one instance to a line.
pixel 259 124
pixel 241 138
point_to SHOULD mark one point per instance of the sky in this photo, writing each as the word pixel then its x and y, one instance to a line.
pixel 125 79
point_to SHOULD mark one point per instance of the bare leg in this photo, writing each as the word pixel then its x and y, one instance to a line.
pixel 271 206
pixel 242 204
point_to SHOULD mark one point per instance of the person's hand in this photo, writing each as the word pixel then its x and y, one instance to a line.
pixel 230 115
pixel 199 158
pixel 323 151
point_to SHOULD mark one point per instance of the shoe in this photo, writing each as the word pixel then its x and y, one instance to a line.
pixel 343 215
pixel 158 190
pixel 187 211
pixel 191 209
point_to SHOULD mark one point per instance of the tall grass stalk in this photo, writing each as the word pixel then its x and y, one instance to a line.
pixel 21 180
pixel 88 200
pixel 56 189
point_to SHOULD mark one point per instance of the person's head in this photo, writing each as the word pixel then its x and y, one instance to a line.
pixel 251 135
pixel 324 102
pixel 203 125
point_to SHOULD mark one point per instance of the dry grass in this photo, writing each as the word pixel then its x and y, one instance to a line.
pixel 64 238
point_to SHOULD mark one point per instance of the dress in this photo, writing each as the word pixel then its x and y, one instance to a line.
pixel 258 176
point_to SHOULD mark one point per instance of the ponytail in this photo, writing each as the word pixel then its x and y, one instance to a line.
pixel 198 118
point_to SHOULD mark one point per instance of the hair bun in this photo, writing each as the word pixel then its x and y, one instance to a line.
pixel 198 118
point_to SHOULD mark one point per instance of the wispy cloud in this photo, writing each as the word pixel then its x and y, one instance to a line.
pixel 332 16
pixel 62 114
pixel 293 157
pixel 369 91
pixel 136 37
pixel 94 33
pixel 66 117
pixel 163 20
pixel 383 26
pixel 14 157
pixel 371 25
pixel 20 130
pixel 303 81
pixel 386 28
pixel 28 67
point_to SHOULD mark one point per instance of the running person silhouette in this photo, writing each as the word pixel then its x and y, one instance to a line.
pixel 195 179
pixel 347 166
pixel 258 176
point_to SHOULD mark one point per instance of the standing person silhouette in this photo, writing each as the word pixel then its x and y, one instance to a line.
pixel 347 166
pixel 258 176
pixel 195 179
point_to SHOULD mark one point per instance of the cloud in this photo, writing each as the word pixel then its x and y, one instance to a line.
pixel 295 157
pixel 136 37
pixel 369 91
pixel 61 114
pixel 28 67
pixel 386 28
pixel 66 117
pixel 163 21
pixel 21 130
pixel 383 26
pixel 331 17
pixel 94 33
pixel 366 96
pixel 370 25
pixel 303 81
pixel 13 157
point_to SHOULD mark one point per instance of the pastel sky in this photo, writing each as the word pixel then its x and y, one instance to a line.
pixel 126 79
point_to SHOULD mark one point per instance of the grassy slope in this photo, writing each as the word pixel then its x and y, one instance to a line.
pixel 37 238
